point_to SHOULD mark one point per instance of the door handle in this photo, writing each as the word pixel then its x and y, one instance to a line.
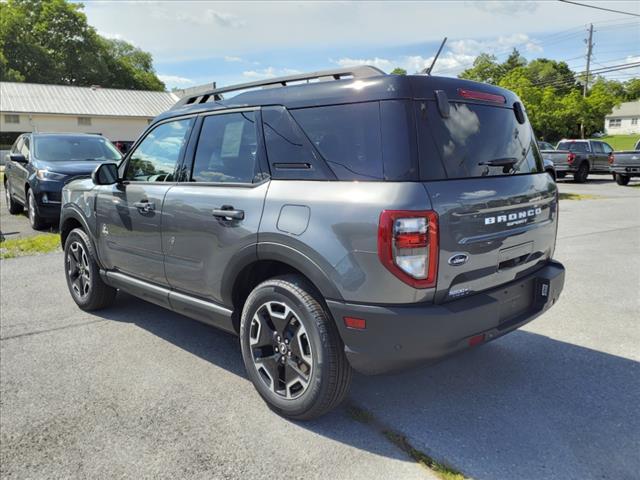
pixel 228 213
pixel 145 206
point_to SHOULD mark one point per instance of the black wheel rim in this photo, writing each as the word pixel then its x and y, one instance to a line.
pixel 78 270
pixel 281 350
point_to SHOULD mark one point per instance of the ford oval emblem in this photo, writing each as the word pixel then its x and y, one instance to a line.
pixel 458 259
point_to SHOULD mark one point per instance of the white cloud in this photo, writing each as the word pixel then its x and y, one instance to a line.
pixel 381 63
pixel 269 72
pixel 207 17
pixel 174 80
pixel 505 7
pixel 499 44
pixel 233 59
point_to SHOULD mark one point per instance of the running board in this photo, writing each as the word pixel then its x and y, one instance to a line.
pixel 192 307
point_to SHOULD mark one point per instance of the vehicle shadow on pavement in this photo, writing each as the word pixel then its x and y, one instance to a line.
pixel 526 406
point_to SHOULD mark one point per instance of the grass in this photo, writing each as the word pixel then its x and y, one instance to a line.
pixel 578 196
pixel 442 471
pixel 620 142
pixel 18 247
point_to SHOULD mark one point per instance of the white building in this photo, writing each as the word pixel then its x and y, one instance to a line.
pixel 623 120
pixel 116 114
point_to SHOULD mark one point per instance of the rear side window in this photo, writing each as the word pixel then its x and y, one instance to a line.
pixel 347 136
pixel 227 149
pixel 474 141
pixel 580 147
pixel 597 147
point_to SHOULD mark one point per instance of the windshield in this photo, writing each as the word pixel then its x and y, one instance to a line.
pixel 474 141
pixel 574 146
pixel 70 148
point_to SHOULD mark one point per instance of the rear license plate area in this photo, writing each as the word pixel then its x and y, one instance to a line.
pixel 515 300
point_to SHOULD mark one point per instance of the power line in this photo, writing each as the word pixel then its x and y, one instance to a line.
pixel 600 8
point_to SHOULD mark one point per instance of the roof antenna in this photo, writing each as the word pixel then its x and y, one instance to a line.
pixel 427 71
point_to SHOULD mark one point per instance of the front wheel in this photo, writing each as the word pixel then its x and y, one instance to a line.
pixel 37 222
pixel 83 274
pixel 292 350
pixel 622 179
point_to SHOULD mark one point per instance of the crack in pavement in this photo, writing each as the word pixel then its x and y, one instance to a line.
pixel 38 332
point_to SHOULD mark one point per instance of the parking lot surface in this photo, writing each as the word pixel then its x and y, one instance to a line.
pixel 137 391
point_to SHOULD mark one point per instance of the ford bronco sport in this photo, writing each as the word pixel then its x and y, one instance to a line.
pixel 338 220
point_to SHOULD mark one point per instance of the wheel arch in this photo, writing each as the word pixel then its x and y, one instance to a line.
pixel 273 261
pixel 70 219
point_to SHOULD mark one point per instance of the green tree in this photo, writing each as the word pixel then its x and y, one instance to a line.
pixel 50 41
pixel 398 71
pixel 485 69
pixel 632 89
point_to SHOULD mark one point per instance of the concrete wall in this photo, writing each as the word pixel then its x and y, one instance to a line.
pixel 626 127
pixel 114 128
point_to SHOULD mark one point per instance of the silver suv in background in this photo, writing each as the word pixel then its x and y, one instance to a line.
pixel 337 220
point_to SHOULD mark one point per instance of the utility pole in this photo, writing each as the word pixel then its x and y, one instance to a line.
pixel 586 79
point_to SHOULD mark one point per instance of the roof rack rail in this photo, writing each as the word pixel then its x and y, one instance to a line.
pixel 363 71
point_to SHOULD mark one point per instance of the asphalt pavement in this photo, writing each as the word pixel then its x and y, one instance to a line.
pixel 137 391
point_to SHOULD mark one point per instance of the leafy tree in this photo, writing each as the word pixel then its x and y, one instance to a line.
pixel 632 89
pixel 50 41
pixel 485 69
pixel 398 71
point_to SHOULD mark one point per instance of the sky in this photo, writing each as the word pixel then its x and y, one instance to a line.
pixel 199 42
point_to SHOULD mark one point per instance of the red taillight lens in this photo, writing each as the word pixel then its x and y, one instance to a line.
pixel 408 245
pixel 571 157
pixel 475 95
pixel 611 157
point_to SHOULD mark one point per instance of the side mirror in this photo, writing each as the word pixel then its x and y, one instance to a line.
pixel 105 174
pixel 18 158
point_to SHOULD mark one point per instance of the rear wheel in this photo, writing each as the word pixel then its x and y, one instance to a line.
pixel 13 206
pixel 83 274
pixel 583 172
pixel 37 222
pixel 292 350
pixel 622 179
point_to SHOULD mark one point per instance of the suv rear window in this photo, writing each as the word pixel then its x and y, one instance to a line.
pixel 463 145
pixel 580 147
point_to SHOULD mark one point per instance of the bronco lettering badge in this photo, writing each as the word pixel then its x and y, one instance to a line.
pixel 515 218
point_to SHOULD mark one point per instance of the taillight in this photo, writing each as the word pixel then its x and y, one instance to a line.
pixel 571 158
pixel 611 158
pixel 408 245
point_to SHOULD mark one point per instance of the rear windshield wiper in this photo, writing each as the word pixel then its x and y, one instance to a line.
pixel 500 162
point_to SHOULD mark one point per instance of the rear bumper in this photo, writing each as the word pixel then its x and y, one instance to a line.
pixel 565 168
pixel 629 171
pixel 400 336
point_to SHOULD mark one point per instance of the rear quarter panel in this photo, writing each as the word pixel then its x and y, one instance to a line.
pixel 341 232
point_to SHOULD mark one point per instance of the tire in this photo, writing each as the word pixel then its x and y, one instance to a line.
pixel 13 206
pixel 292 350
pixel 622 179
pixel 583 172
pixel 83 274
pixel 36 221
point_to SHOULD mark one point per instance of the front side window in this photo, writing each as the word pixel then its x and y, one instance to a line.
pixel 227 149
pixel 155 159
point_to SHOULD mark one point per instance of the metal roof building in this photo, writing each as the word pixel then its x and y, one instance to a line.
pixel 115 113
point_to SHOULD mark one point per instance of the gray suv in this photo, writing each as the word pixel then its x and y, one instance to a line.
pixel 336 221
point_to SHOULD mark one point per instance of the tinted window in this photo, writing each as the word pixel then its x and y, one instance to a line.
pixel 155 159
pixel 574 146
pixel 227 149
pixel 606 147
pixel 470 139
pixel 291 154
pixel 72 148
pixel 597 147
pixel 347 136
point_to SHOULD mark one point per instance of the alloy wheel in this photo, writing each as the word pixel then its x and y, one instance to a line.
pixel 281 349
pixel 78 270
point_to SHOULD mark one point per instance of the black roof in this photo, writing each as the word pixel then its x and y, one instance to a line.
pixel 377 86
